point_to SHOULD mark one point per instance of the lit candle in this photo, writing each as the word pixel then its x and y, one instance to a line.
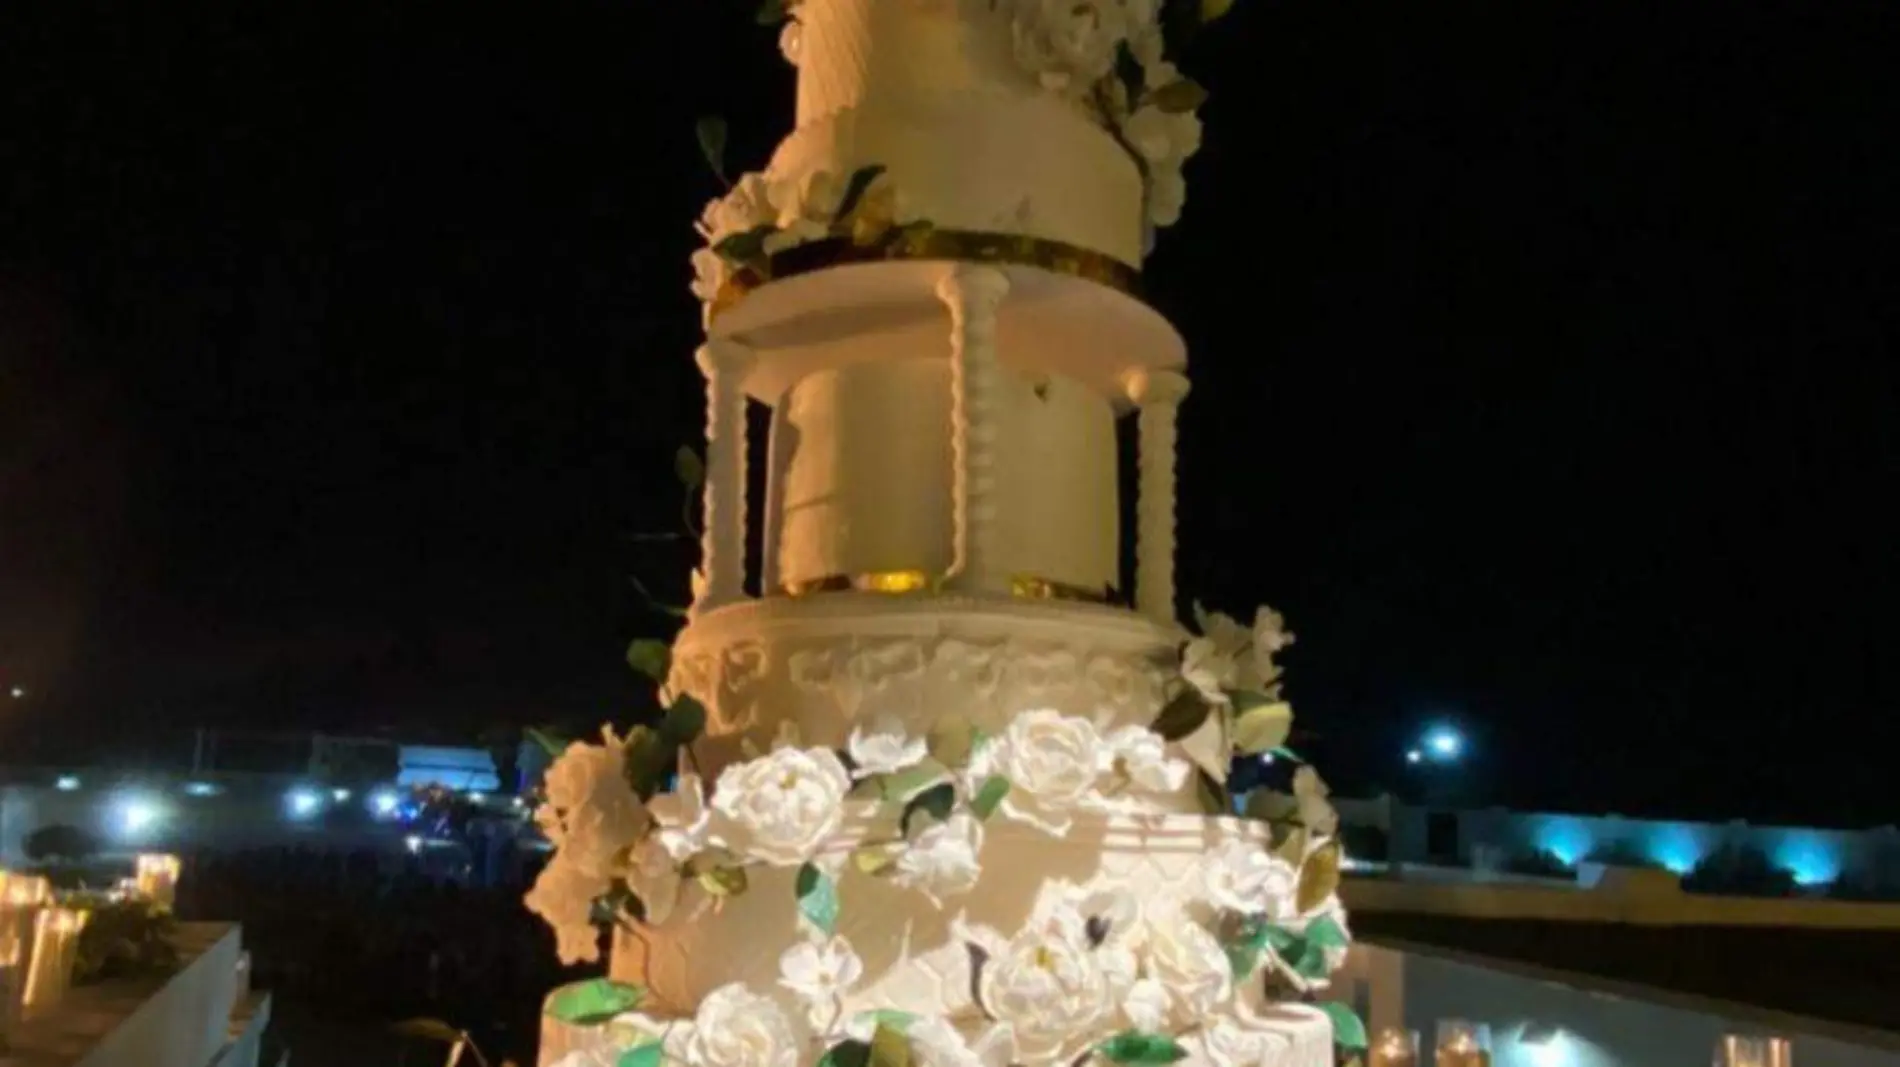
pixel 55 946
pixel 1462 1044
pixel 158 878
pixel 1394 1047
pixel 1740 1050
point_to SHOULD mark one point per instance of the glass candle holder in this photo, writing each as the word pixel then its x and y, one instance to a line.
pixel 55 948
pixel 1393 1047
pixel 156 874
pixel 1462 1044
pixel 1748 1050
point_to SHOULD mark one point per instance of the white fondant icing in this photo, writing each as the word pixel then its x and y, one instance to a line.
pixel 862 476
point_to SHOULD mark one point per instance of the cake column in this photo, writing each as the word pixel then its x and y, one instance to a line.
pixel 1157 394
pixel 972 294
pixel 722 541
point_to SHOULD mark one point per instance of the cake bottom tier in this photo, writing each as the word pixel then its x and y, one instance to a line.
pixel 916 952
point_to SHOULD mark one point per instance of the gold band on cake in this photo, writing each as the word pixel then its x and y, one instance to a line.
pixel 923 242
pixel 1022 586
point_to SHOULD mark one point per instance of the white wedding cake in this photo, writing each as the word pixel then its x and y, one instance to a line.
pixel 938 793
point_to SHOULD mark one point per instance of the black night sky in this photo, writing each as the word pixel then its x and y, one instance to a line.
pixel 1544 357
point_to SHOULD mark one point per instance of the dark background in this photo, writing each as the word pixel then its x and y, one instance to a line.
pixel 1544 361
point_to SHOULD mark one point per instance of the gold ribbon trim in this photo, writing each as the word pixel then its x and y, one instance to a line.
pixel 1024 587
pixel 919 243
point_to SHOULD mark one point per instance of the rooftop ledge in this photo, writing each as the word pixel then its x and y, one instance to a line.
pixel 198 1016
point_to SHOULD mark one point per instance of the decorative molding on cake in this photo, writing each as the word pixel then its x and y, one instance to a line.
pixel 722 541
pixel 972 295
pixel 824 663
pixel 1158 395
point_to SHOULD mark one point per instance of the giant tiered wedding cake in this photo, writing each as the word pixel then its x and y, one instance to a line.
pixel 934 796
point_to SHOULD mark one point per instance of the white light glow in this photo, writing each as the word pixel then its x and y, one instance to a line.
pixel 304 802
pixel 201 789
pixel 67 783
pixel 19 693
pixel 339 795
pixel 1445 743
pixel 139 814
pixel 384 803
pixel 1549 1049
pixel 413 843
pixel 520 803
pixel 1414 756
pixel 477 798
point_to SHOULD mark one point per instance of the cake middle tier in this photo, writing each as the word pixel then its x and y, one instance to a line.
pixel 915 951
pixel 822 663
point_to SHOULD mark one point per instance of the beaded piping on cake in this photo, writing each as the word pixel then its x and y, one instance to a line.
pixel 898 583
pixel 926 244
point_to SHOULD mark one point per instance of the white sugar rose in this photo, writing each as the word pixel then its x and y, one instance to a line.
pixel 1241 876
pixel 736 1027
pixel 781 807
pixel 592 815
pixel 941 861
pixel 1190 965
pixel 682 819
pixel 820 971
pixel 563 895
pixel 883 746
pixel 1141 756
pixel 1069 45
pixel 1053 763
pixel 747 206
pixel 1163 137
pixel 1146 1005
pixel 1048 986
pixel 1210 669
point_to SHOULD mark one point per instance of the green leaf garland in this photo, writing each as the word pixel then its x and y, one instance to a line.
pixel 817 899
pixel 651 1054
pixel 594 1001
pixel 1348 1031
pixel 988 796
pixel 1137 1047
pixel 937 802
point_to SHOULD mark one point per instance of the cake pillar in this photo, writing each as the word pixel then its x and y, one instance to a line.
pixel 722 540
pixel 1157 394
pixel 972 295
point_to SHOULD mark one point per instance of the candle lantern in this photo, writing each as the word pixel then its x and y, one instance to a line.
pixel 157 878
pixel 1463 1044
pixel 1393 1047
pixel 55 949
pixel 1745 1050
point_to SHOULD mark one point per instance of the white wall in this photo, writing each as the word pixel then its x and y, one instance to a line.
pixel 1589 1023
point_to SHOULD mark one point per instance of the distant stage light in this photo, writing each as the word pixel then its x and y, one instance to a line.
pixel 384 803
pixel 303 803
pixel 138 814
pixel 67 783
pixel 1414 756
pixel 339 795
pixel 477 797
pixel 201 789
pixel 19 692
pixel 413 843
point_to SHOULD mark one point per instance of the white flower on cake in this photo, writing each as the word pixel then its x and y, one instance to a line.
pixel 781 807
pixel 941 861
pixel 1047 985
pixel 563 895
pixel 883 746
pixel 1243 877
pixel 1053 763
pixel 1141 756
pixel 592 815
pixel 935 1043
pixel 820 971
pixel 746 206
pixel 1069 45
pixel 1189 964
pixel 1250 650
pixel 1146 1005
pixel 736 1027
pixel 682 818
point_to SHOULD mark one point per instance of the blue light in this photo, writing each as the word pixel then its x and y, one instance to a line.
pixel 1674 847
pixel 1813 859
pixel 67 783
pixel 1567 839
pixel 1414 756
pixel 303 802
pixel 201 789
pixel 1445 743
pixel 384 803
